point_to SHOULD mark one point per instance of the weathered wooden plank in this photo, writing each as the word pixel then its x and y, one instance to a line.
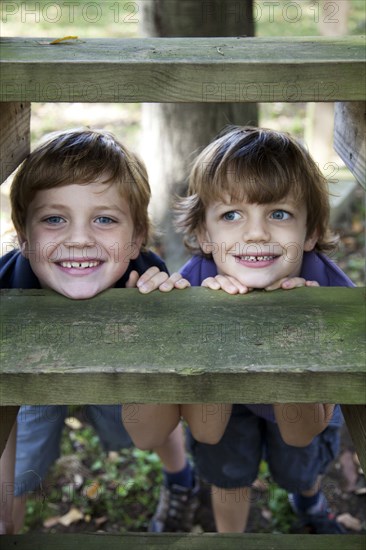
pixel 184 69
pixel 188 346
pixel 350 137
pixel 14 136
pixel 355 417
pixel 182 541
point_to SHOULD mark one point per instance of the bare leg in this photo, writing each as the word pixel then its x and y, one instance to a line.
pixel 154 425
pixel 231 509
pixel 7 464
pixel 207 421
pixel 19 512
pixel 173 453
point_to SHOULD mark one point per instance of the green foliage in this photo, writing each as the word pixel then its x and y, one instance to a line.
pixel 282 516
pixel 122 488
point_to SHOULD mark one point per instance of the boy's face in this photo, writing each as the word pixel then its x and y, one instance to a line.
pixel 79 239
pixel 257 244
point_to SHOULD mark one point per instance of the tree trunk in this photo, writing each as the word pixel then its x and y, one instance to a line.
pixel 319 134
pixel 173 133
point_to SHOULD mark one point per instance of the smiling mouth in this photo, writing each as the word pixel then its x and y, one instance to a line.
pixel 255 258
pixel 79 265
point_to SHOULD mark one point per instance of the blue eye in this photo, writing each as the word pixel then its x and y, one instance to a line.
pixel 280 215
pixel 104 220
pixel 231 216
pixel 54 220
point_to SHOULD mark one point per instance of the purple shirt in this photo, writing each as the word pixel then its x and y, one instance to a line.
pixel 315 267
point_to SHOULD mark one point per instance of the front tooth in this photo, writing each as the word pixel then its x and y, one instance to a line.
pixel 79 265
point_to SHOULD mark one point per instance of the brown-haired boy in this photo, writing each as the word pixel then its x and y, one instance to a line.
pixel 256 217
pixel 79 206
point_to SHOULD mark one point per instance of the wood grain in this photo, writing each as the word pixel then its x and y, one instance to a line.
pixel 198 345
pixel 184 70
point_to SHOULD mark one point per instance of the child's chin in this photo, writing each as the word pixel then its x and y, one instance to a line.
pixel 80 293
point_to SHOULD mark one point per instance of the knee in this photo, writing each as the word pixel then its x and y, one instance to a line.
pixel 147 442
pixel 207 437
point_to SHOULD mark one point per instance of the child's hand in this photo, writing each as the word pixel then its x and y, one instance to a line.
pixel 226 283
pixel 154 279
pixel 291 282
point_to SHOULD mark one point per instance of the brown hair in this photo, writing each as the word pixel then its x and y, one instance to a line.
pixel 82 156
pixel 260 166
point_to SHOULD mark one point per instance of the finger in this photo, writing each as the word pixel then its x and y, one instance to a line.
pixel 132 280
pixel 179 281
pixel 242 289
pixel 277 284
pixel 175 281
pixel 211 282
pixel 293 282
pixel 153 283
pixel 312 283
pixel 228 284
pixel 149 273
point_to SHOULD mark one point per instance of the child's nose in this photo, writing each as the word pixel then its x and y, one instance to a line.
pixel 256 231
pixel 79 236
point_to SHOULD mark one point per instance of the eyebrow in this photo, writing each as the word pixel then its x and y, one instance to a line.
pixel 50 206
pixel 97 208
pixel 236 204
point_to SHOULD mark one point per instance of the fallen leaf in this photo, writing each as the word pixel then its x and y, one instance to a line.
pixel 100 521
pixel 350 522
pixel 358 226
pixel 267 514
pixel 57 41
pixel 72 516
pixel 51 522
pixel 64 39
pixel 91 491
pixel 73 423
pixel 113 456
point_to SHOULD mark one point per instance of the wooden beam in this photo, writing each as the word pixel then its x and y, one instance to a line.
pixel 198 346
pixel 240 69
pixel 14 136
pixel 350 137
pixel 182 541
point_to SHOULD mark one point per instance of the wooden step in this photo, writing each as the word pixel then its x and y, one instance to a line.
pixel 190 346
pixel 182 541
pixel 183 69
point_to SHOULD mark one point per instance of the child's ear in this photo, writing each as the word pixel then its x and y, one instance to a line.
pixel 311 241
pixel 23 245
pixel 136 246
pixel 204 240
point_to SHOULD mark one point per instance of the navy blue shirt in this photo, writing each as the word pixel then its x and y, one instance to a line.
pixel 16 272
